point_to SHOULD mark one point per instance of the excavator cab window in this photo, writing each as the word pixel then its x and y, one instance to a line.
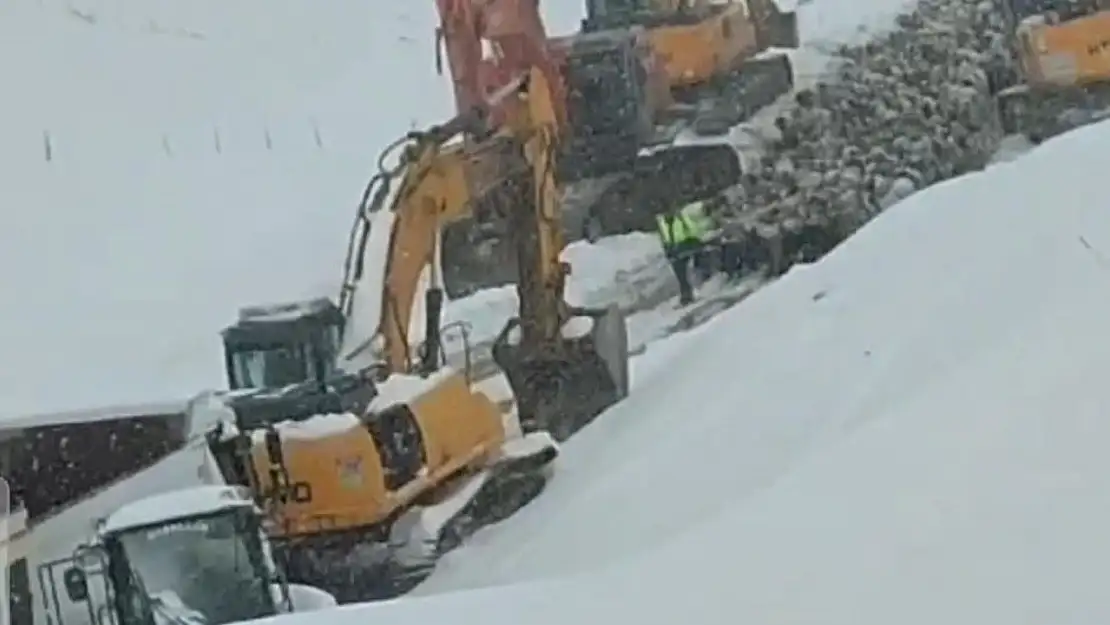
pixel 272 366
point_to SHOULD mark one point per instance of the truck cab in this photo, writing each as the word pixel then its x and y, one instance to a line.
pixel 197 556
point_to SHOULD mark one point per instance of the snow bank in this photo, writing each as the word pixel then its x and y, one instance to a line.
pixel 909 431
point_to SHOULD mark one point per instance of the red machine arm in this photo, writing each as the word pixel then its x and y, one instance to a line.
pixel 491 43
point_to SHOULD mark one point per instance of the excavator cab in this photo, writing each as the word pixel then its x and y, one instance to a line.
pixel 277 346
pixel 281 365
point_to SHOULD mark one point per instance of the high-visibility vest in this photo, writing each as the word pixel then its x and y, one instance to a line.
pixel 698 222
pixel 674 230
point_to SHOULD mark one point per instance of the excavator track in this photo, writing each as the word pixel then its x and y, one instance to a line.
pixel 1041 114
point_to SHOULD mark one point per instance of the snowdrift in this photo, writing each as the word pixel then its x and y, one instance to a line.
pixel 910 431
pixel 185 178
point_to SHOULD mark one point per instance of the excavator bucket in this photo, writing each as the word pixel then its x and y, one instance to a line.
pixel 562 394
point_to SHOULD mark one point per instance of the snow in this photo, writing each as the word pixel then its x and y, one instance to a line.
pixel 400 388
pixel 313 428
pixel 413 537
pixel 202 160
pixel 910 431
pixel 1010 148
pixel 901 433
pixel 578 327
pixel 528 445
pixel 154 252
pixel 179 504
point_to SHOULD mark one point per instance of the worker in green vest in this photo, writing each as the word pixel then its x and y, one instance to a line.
pixel 697 213
pixel 683 233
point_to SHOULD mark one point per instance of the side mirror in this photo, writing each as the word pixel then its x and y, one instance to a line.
pixel 77 587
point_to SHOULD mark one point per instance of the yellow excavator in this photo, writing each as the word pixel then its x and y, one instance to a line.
pixel 370 455
pixel 1061 49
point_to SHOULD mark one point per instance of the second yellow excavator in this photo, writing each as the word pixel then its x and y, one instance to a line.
pixel 370 455
pixel 1061 50
pixel 649 90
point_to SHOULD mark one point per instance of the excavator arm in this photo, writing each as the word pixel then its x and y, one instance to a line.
pixel 492 43
pixel 565 364
pixel 396 233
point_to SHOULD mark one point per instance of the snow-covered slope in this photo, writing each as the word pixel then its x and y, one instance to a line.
pixel 539 547
pixel 168 162
pixel 910 431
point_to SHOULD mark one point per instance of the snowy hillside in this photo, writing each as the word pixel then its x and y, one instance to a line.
pixel 911 431
pixel 538 542
pixel 168 162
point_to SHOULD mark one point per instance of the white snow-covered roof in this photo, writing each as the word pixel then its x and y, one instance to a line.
pixel 285 311
pixel 317 426
pixel 400 388
pixel 176 504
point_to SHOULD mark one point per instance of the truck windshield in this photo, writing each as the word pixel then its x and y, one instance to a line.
pixel 202 571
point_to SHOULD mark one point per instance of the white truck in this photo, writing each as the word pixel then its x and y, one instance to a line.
pixel 197 556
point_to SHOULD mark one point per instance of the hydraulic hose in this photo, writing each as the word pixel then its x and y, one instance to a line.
pixel 373 198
